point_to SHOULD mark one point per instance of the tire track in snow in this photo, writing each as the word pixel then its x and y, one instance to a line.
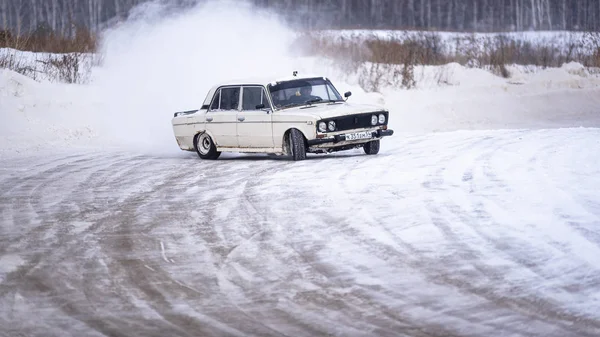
pixel 231 319
pixel 537 307
pixel 351 234
pixel 271 246
pixel 35 281
pixel 373 246
pixel 342 259
pixel 455 239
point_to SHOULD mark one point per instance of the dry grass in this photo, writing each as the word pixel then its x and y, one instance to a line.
pixel 45 40
pixel 379 57
pixel 59 58
pixel 593 39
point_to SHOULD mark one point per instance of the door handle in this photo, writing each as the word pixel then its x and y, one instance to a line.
pixel 241 119
pixel 209 119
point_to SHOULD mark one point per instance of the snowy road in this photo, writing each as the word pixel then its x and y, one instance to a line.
pixel 467 233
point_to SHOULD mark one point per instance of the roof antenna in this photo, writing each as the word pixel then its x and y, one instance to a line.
pixel 295 73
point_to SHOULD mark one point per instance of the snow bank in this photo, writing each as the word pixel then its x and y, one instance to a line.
pixel 47 67
pixel 39 116
pixel 472 99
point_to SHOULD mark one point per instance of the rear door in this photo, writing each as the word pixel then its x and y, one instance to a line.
pixel 221 118
pixel 254 127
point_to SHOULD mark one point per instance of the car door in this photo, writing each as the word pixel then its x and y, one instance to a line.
pixel 254 125
pixel 221 118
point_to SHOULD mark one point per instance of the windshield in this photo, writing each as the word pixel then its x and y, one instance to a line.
pixel 303 91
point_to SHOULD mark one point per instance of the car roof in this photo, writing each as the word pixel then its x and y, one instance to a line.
pixel 262 81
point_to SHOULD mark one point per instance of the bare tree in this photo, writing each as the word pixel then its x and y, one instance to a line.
pixel 5 15
pixel 482 15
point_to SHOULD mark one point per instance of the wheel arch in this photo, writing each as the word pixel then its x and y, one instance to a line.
pixel 286 139
pixel 199 132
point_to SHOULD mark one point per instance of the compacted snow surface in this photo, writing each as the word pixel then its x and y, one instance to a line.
pixel 479 217
pixel 465 233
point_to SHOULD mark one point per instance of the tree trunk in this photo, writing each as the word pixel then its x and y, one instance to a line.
pixel 533 18
pixel 5 15
pixel 474 15
pixel 564 14
pixel 428 14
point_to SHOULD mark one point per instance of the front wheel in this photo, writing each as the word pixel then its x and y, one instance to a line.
pixel 371 147
pixel 297 145
pixel 205 147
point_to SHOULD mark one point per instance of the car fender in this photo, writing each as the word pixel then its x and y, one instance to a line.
pixel 199 132
pixel 306 132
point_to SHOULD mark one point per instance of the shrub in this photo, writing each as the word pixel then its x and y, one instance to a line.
pixel 390 60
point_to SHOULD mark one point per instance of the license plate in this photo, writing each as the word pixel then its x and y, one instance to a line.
pixel 359 135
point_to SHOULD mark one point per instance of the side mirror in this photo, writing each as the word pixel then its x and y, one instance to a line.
pixel 260 106
pixel 348 94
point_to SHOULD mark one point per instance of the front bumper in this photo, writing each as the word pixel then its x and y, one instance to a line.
pixel 342 138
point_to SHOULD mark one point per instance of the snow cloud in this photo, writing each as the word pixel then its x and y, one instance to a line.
pixel 163 60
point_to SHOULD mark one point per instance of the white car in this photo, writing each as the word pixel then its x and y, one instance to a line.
pixel 293 117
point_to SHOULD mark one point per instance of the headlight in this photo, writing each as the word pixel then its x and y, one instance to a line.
pixel 374 120
pixel 322 127
pixel 331 126
pixel 381 118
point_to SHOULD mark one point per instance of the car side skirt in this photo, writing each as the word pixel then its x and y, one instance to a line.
pixel 251 150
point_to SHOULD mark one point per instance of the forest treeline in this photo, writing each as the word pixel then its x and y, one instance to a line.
pixel 62 16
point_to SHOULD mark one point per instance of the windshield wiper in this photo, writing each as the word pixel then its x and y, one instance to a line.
pixel 310 101
pixel 314 100
pixel 289 105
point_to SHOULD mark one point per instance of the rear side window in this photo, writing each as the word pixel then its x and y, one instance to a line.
pixel 226 99
pixel 253 96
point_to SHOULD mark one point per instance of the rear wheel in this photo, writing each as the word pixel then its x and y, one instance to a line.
pixel 205 147
pixel 297 145
pixel 371 147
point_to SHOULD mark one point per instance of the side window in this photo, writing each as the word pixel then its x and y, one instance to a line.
pixel 216 101
pixel 230 98
pixel 253 96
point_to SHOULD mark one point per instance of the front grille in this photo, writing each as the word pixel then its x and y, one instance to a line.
pixel 358 121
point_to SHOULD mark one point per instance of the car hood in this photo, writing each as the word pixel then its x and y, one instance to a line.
pixel 325 110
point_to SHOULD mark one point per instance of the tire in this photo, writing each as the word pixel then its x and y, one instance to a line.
pixel 371 147
pixel 205 147
pixel 297 145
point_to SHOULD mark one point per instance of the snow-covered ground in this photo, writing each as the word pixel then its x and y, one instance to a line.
pixel 464 233
pixel 479 217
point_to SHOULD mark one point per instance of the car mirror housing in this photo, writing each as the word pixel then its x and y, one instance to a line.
pixel 348 94
pixel 260 106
